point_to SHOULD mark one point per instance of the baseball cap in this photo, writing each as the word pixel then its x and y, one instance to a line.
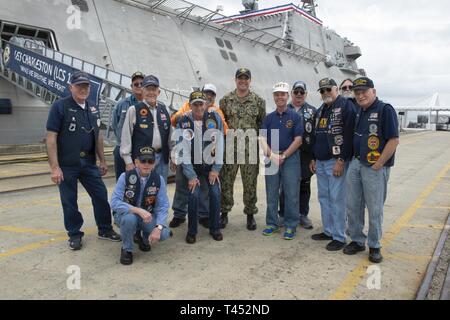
pixel 363 83
pixel 146 153
pixel 243 72
pixel 137 74
pixel 281 87
pixel 79 77
pixel 150 81
pixel 327 83
pixel 299 85
pixel 210 87
pixel 197 96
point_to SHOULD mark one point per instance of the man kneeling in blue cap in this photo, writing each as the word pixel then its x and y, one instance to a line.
pixel 141 203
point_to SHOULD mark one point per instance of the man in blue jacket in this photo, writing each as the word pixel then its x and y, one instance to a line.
pixel 332 151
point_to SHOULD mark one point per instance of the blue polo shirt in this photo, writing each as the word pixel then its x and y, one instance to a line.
pixel 289 125
pixel 389 125
pixel 56 119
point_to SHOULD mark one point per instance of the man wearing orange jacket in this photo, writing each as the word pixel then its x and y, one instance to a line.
pixel 180 199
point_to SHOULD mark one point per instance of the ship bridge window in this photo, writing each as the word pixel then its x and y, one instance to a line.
pixel 233 57
pixel 220 42
pixel 82 4
pixel 279 61
pixel 224 54
pixel 10 30
pixel 228 44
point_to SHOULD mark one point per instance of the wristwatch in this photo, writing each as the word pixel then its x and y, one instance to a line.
pixel 159 227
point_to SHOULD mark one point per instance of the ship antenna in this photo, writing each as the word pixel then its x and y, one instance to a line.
pixel 309 6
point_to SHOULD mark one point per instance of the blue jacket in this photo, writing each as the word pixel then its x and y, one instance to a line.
pixel 119 114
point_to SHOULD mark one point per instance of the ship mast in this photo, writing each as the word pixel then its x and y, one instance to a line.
pixel 309 6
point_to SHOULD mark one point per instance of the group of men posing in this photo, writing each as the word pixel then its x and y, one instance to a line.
pixel 349 143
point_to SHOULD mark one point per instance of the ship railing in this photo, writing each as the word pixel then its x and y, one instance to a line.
pixel 186 11
pixel 116 86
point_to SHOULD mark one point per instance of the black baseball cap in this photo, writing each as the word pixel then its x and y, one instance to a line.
pixel 146 153
pixel 299 85
pixel 197 96
pixel 137 74
pixel 79 77
pixel 327 83
pixel 243 72
pixel 363 83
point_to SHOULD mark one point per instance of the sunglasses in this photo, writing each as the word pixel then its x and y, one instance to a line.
pixel 147 161
pixel 322 91
pixel 347 88
pixel 137 84
pixel 298 92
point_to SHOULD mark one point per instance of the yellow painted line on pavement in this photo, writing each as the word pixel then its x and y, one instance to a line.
pixel 39 245
pixel 30 231
pixel 348 286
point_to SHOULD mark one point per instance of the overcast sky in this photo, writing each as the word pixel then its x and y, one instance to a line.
pixel 405 44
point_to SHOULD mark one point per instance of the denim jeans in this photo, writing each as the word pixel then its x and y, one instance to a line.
pixel 366 187
pixel 181 197
pixel 89 176
pixel 331 193
pixel 161 167
pixel 119 164
pixel 288 177
pixel 129 223
pixel 214 193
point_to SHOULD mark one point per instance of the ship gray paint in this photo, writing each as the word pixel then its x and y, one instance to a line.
pixel 182 55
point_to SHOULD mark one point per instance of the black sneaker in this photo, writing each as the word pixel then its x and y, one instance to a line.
pixel 335 245
pixel 375 255
pixel 126 258
pixel 321 236
pixel 204 222
pixel 190 238
pixel 109 235
pixel 217 235
pixel 144 247
pixel 223 220
pixel 251 223
pixel 75 243
pixel 175 223
pixel 353 248
pixel 137 237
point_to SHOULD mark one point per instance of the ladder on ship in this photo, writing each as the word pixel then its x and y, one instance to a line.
pixel 115 87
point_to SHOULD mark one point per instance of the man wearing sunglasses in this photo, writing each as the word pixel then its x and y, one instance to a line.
pixel 346 89
pixel 118 118
pixel 307 115
pixel 376 138
pixel 74 142
pixel 140 202
pixel 332 150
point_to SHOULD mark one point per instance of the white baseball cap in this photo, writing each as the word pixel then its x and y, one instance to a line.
pixel 210 87
pixel 281 87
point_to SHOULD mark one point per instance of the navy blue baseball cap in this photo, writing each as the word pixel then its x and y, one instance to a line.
pixel 299 85
pixel 363 83
pixel 146 153
pixel 243 72
pixel 79 77
pixel 150 81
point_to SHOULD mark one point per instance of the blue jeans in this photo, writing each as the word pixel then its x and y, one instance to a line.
pixel 331 192
pixel 129 223
pixel 181 197
pixel 366 187
pixel 161 167
pixel 89 176
pixel 288 177
pixel 119 164
pixel 214 193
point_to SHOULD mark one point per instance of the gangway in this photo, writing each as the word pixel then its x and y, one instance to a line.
pixel 114 86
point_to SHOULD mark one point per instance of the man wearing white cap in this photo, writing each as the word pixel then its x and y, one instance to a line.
pixel 285 126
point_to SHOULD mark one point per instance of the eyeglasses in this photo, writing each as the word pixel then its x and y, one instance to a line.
pixel 137 84
pixel 347 88
pixel 298 92
pixel 322 91
pixel 148 161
